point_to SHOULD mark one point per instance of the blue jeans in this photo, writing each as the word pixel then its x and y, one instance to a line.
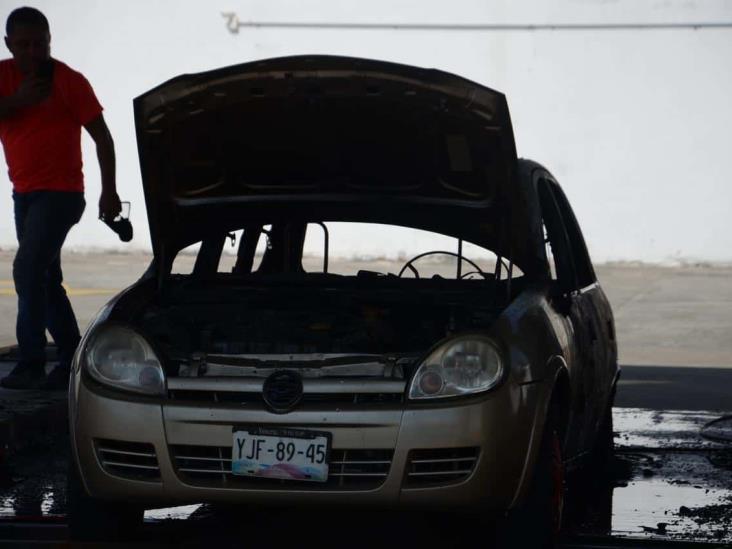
pixel 42 221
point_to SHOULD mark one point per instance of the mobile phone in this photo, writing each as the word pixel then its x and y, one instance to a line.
pixel 45 70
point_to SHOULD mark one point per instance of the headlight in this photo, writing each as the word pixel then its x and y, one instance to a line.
pixel 120 357
pixel 462 366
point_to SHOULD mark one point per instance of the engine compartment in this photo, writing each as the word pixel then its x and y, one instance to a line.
pixel 301 315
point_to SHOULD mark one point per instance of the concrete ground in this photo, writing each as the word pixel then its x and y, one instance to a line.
pixel 664 316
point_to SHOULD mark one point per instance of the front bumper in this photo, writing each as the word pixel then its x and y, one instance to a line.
pixel 500 426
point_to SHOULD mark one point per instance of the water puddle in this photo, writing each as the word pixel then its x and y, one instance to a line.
pixel 674 496
pixel 668 481
pixel 651 429
pixel 184 512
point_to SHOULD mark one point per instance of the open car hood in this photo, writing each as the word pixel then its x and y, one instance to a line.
pixel 322 138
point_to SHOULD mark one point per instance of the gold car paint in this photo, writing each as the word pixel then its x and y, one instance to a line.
pixel 482 420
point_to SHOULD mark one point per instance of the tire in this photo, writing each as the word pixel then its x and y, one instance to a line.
pixel 92 519
pixel 537 522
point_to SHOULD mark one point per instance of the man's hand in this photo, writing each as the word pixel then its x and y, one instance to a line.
pixel 32 90
pixel 109 205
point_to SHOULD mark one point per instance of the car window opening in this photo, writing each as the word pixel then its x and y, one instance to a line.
pixel 307 249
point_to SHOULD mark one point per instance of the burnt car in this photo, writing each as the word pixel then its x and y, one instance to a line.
pixel 272 382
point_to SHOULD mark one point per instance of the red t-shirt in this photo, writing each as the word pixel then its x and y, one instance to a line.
pixel 42 142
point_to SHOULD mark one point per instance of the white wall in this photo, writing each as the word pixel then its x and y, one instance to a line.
pixel 635 124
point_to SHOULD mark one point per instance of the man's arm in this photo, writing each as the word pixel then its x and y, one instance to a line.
pixel 109 205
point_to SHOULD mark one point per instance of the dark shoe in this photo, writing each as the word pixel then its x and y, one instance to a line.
pixel 58 379
pixel 26 375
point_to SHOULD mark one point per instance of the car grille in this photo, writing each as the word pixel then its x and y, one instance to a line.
pixel 131 460
pixel 327 399
pixel 440 466
pixel 348 470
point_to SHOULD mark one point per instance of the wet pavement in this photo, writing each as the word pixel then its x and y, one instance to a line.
pixel 668 483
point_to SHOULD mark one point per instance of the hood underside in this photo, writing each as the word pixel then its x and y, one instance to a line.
pixel 320 138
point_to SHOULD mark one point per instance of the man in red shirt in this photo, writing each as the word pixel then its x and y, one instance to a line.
pixel 43 106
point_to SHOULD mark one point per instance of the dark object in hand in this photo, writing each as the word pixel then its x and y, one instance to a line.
pixel 120 225
pixel 45 70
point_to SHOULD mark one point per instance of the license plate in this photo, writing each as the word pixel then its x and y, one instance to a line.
pixel 281 453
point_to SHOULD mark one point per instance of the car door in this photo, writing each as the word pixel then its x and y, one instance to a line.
pixel 572 298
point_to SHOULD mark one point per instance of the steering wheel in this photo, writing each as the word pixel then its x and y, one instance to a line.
pixel 408 264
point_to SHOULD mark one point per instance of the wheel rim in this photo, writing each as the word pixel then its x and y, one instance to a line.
pixel 557 484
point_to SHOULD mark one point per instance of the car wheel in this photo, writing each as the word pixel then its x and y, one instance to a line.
pixel 538 521
pixel 91 519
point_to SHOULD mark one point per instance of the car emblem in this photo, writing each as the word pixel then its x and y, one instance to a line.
pixel 282 391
